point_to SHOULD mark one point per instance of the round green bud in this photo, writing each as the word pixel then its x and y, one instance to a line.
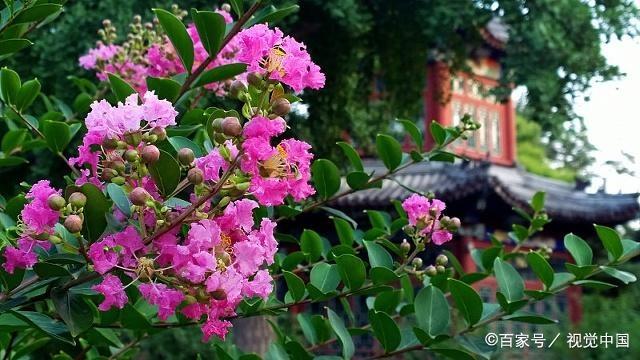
pixel 442 260
pixel 139 196
pixel 77 199
pixel 195 176
pixel 150 154
pixel 236 88
pixel 56 202
pixel 186 156
pixel 225 7
pixel 431 270
pixel 55 239
pixel 281 107
pixel 441 269
pixel 190 299
pixel 405 247
pixel 417 262
pixel 231 126
pixel 110 143
pixel 133 138
pixel 131 155
pixel 73 223
pixel 254 79
pixel 118 180
pixel 161 133
pixel 216 124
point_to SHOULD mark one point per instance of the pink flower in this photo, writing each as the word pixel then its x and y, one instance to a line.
pixel 214 326
pixel 157 112
pixel 238 214
pixel 417 207
pixel 261 285
pixel 37 216
pixel 118 248
pixel 100 53
pixel 213 163
pixel 226 15
pixel 425 215
pixel 113 291
pixel 164 298
pixel 22 256
pixel 441 236
pixel 263 127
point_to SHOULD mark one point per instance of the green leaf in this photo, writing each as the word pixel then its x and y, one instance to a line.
pixel 337 324
pixel 73 310
pixel 178 35
pixel 382 275
pixel 541 268
pixel 95 211
pixel 411 128
pixel 325 277
pixel 378 256
pixel 537 202
pixel 13 140
pixel 277 15
pixel 11 46
pixel 352 271
pixel 164 88
pixel 579 249
pixel 432 311
pixel 45 324
pixel 132 318
pixel 181 142
pixel 308 330
pixel 57 135
pixel 211 27
pixel 344 231
pixel 326 177
pixel 387 301
pixel 438 133
pixel 594 284
pixel 36 13
pixel 358 180
pixel 119 198
pixel 165 172
pixel 236 5
pixel 295 285
pixel 389 150
pixel 47 270
pixel 610 240
pixel 220 73
pixel 529 318
pixel 9 85
pixel 311 244
pixel 121 89
pixel 385 330
pixel 509 280
pixel 625 277
pixel 27 94
pixel 467 300
pixel 352 155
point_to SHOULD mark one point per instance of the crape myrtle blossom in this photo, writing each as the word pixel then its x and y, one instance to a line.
pixel 37 220
pixel 426 216
pixel 276 171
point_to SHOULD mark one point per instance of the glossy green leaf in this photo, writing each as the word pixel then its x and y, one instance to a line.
pixel 432 311
pixel 95 211
pixel 167 89
pixel 57 134
pixel 385 330
pixel 610 240
pixel 625 277
pixel 509 280
pixel 311 244
pixel 9 85
pixel 46 325
pixel 237 7
pixel 411 128
pixel 358 180
pixel 326 177
pixel 178 35
pixel 181 142
pixel 325 277
pixel 28 92
pixel 387 301
pixel 382 275
pixel 119 198
pixel 271 17
pixel 36 13
pixel 13 140
pixel 165 172
pixel 467 301
pixel 295 285
pixel 378 256
pixel 344 231
pixel 389 150
pixel 337 324
pixel 47 270
pixel 211 27
pixel 537 202
pixel 352 155
pixel 120 88
pixel 594 284
pixel 438 133
pixel 73 310
pixel 579 249
pixel 220 73
pixel 541 268
pixel 529 318
pixel 352 271
pixel 10 46
pixel 132 318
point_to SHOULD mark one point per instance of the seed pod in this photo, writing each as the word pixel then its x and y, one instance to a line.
pixel 77 199
pixel 73 223
pixel 186 156
pixel 231 126
pixel 161 133
pixel 195 176
pixel 150 154
pixel 442 260
pixel 56 202
pixel 431 270
pixel 139 196
pixel 281 107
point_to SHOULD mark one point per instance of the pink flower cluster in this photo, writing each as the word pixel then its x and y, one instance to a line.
pixel 276 171
pixel 36 224
pixel 220 261
pixel 426 215
pixel 278 57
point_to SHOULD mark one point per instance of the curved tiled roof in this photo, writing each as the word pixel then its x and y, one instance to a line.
pixel 514 185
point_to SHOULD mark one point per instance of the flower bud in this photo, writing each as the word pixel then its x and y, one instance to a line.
pixel 281 107
pixel 150 154
pixel 455 222
pixel 219 294
pixel 161 133
pixel 55 239
pixel 417 262
pixel 431 270
pixel 186 156
pixel 195 176
pixel 442 260
pixel 216 124
pixel 231 126
pixel 77 199
pixel 237 87
pixel 106 22
pixel 118 180
pixel 131 155
pixel 133 138
pixel 190 299
pixel 405 247
pixel 225 7
pixel 440 269
pixel 73 223
pixel 56 202
pixel 139 196
pixel 122 145
pixel 254 79
pixel 110 143
pixel 108 174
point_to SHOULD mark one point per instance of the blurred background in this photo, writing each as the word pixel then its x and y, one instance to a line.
pixel 568 69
